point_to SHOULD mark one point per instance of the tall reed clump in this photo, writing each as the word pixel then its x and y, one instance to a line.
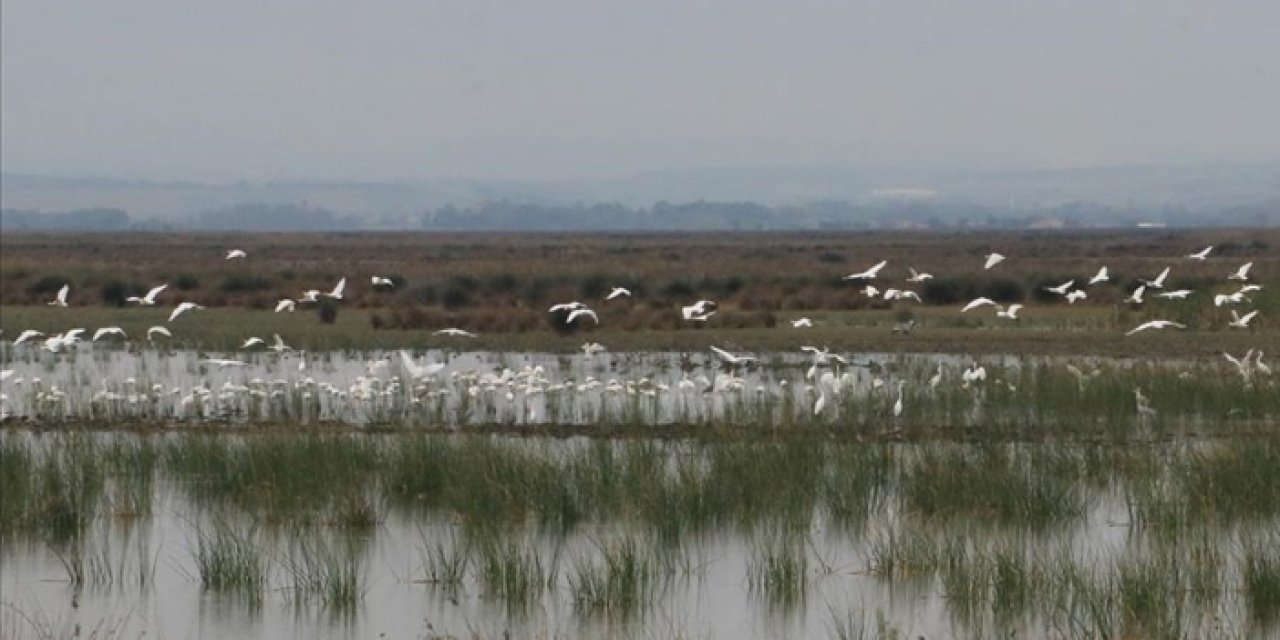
pixel 619 583
pixel 779 572
pixel 232 562
pixel 1261 575
pixel 515 576
pixel 330 572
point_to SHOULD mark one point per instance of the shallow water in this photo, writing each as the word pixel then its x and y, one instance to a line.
pixel 153 588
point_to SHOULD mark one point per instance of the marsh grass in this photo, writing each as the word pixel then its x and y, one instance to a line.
pixel 1261 578
pixel 231 561
pixel 779 573
pixel 620 581
pixel 515 576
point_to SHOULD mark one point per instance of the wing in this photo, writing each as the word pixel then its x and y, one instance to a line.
pixel 155 291
pixel 62 293
pixel 337 290
pixel 723 354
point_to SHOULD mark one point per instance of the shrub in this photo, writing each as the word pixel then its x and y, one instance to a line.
pixel 328 310
pixel 186 282
pixel 593 287
pixel 242 283
pixel 47 284
pixel 115 292
pixel 677 289
pixel 456 296
pixel 1004 290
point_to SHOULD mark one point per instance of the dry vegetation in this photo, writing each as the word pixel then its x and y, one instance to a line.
pixel 494 283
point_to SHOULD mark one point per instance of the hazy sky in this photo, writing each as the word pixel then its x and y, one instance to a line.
pixel 541 90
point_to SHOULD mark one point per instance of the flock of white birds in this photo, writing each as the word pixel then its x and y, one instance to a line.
pixel 700 312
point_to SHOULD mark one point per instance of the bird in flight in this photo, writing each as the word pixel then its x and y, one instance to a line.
pixel 577 313
pixel 1101 276
pixel 618 292
pixel 1155 324
pixel 1202 254
pixel 235 253
pixel 1242 273
pixel 993 259
pixel 869 274
pixel 149 299
pixel 61 299
pixel 1241 321
pixel 454 332
pixel 1158 283
pixel 183 308
pixel 336 294
pixel 978 302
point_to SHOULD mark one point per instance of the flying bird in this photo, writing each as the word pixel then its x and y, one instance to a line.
pixel 379 281
pixel 1242 321
pixel 1101 276
pixel 800 323
pixel 731 358
pixel 158 330
pixel 1180 294
pixel 183 308
pixel 1158 283
pixel 29 334
pixel 918 277
pixel 698 311
pixel 286 305
pixel 149 299
pixel 235 253
pixel 1011 313
pixel 1076 296
pixel 566 306
pixel 61 299
pixel 1062 288
pixel 870 291
pixel 454 332
pixel 1155 324
pixel 1204 253
pixel 253 342
pixel 869 274
pixel 993 259
pixel 1136 296
pixel 108 331
pixel 577 313
pixel 978 302
pixel 1242 273
pixel 336 294
pixel 618 292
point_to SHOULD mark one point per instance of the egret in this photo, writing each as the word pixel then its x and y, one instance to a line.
pixel 1100 276
pixel 909 295
pixel 61 299
pixel 1180 294
pixel 577 313
pixel 1202 254
pixel 918 277
pixel 1257 364
pixel 566 306
pixel 286 305
pixel 1241 321
pixel 1155 324
pixel 618 292
pixel 253 342
pixel 378 281
pixel 183 308
pixel 29 334
pixel 1076 296
pixel 698 311
pixel 235 253
pixel 108 331
pixel 897 406
pixel 978 302
pixel 148 300
pixel 993 259
pixel 1242 273
pixel 1136 296
pixel 1158 283
pixel 222 363
pixel 592 348
pixel 870 291
pixel 336 294
pixel 730 358
pixel 936 379
pixel 278 344
pixel 1011 313
pixel 869 274
pixel 310 295
pixel 158 330
pixel 1062 288
pixel 1144 405
pixel 800 323
pixel 454 332
pixel 1229 298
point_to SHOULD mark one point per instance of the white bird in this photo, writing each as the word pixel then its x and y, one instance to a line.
pixel 1242 273
pixel 149 299
pixel 1158 283
pixel 1062 288
pixel 592 348
pixel 1155 324
pixel 1076 296
pixel 731 358
pixel 418 371
pixel 576 313
pixel 252 342
pixel 235 253
pixel 108 331
pixel 336 294
pixel 310 295
pixel 1242 321
pixel 5 374
pixel 1010 313
pixel 891 294
pixel 978 302
pixel 27 335
pixel 698 311
pixel 61 299
pixel 378 281
pixel 918 277
pixel 974 373
pixel 183 308
pixel 618 292
pixel 1136 296
pixel 454 332
pixel 566 306
pixel 278 345
pixel 869 274
pixel 897 406
pixel 1229 298
pixel 1204 253
pixel 1242 364
pixel 993 259
pixel 222 363
pixel 286 305
pixel 72 335
pixel 1249 288
pixel 870 291
pixel 1180 294
pixel 906 294
pixel 1257 364
pixel 800 323
pixel 151 333
pixel 1100 276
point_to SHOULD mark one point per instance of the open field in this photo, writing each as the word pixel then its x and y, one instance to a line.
pixel 501 286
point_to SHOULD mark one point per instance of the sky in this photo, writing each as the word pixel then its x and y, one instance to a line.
pixel 582 89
